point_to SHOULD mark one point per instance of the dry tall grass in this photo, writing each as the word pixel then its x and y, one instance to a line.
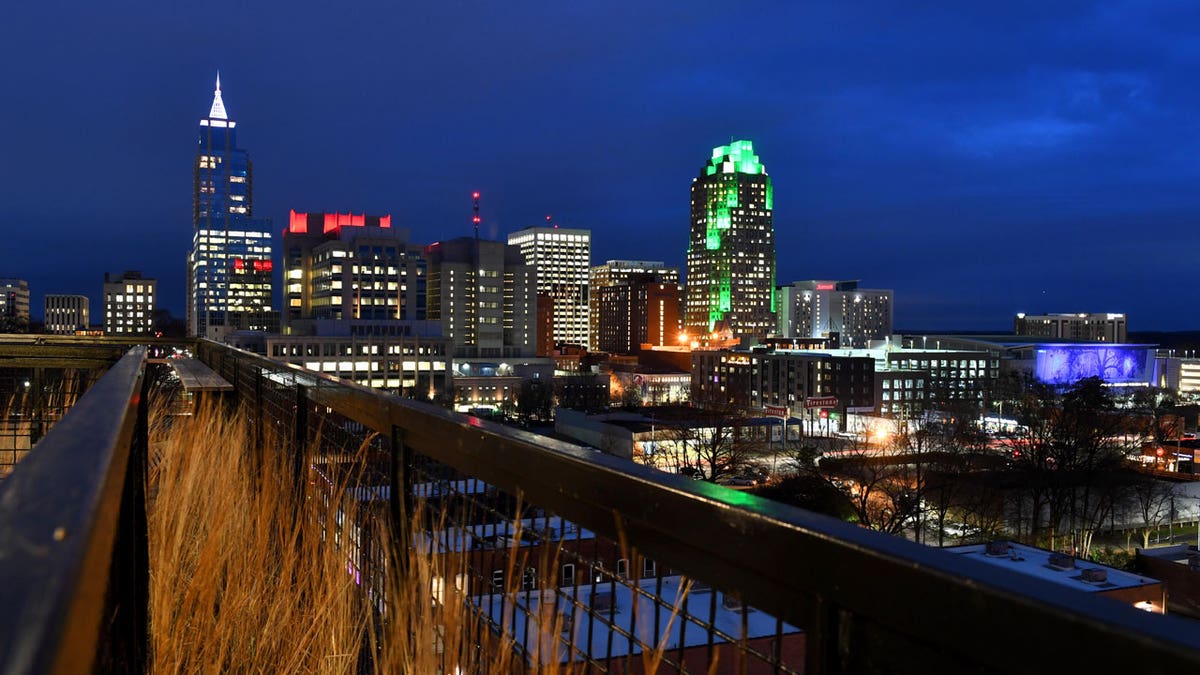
pixel 240 583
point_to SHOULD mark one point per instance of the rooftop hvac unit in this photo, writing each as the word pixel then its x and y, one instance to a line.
pixel 1095 575
pixel 998 548
pixel 1062 561
pixel 604 601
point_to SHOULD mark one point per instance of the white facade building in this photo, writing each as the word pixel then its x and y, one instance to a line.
pixel 561 259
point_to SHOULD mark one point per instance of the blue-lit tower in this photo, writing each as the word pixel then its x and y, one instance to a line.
pixel 229 267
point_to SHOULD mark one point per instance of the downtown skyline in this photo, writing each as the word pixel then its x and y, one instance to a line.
pixel 981 162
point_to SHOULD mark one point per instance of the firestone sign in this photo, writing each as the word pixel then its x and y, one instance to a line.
pixel 821 402
pixel 780 411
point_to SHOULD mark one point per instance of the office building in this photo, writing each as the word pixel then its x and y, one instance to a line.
pixel 851 317
pixel 639 311
pixel 66 314
pixel 229 268
pixel 560 258
pixel 405 358
pixel 14 306
pixel 753 380
pixel 1095 327
pixel 484 296
pixel 129 304
pixel 342 266
pixel 615 272
pixel 731 251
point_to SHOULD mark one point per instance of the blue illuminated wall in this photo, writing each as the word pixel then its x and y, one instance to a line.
pixel 1115 364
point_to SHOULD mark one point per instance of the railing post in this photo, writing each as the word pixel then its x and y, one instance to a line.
pixel 37 425
pixel 259 421
pixel 300 441
pixel 400 501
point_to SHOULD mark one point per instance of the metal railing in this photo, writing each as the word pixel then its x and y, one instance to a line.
pixel 73 560
pixel 866 602
pixel 73 548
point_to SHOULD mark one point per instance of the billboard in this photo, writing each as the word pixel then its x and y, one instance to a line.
pixel 1115 364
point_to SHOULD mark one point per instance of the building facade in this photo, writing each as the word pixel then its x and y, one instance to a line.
pixel 66 314
pixel 229 269
pixel 753 380
pixel 14 306
pixel 388 355
pixel 731 250
pixel 835 309
pixel 484 296
pixel 1094 327
pixel 640 311
pixel 561 260
pixel 341 266
pixel 616 272
pixel 129 304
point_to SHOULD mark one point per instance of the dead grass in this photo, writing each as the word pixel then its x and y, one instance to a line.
pixel 242 580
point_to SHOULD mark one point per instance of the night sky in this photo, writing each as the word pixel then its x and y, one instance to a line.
pixel 981 160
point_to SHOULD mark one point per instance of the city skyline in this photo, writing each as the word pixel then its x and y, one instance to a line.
pixel 980 163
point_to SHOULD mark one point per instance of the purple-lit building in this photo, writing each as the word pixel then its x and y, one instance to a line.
pixel 1060 362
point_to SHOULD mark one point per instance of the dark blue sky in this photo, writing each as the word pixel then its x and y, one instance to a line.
pixel 980 160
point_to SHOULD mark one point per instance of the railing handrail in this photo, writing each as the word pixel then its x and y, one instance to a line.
pixel 806 568
pixel 60 515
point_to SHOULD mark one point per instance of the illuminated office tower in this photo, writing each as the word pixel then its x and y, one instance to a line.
pixel 229 266
pixel 731 251
pixel 617 272
pixel 347 266
pixel 484 296
pixel 129 303
pixel 561 258
pixel 66 314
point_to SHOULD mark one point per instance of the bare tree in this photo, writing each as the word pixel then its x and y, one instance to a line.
pixel 1152 504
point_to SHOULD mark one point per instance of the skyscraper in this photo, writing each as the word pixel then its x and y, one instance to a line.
pixel 229 267
pixel 561 258
pixel 731 252
pixel 349 266
pixel 615 272
pixel 484 295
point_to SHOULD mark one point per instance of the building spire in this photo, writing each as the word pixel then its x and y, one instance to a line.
pixel 218 107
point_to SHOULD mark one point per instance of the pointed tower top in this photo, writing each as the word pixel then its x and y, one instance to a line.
pixel 218 106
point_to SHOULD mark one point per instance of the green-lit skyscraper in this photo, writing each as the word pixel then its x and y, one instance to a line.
pixel 731 252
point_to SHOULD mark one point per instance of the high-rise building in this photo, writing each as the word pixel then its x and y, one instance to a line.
pixel 561 258
pixel 484 296
pixel 615 272
pixel 731 251
pixel 66 314
pixel 129 303
pixel 343 266
pixel 229 266
pixel 643 310
pixel 835 309
pixel 14 306
pixel 1094 327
